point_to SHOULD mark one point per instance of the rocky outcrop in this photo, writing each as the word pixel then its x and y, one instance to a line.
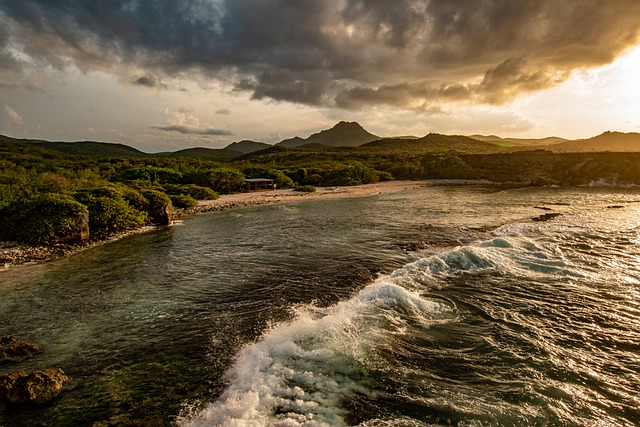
pixel 79 231
pixel 164 215
pixel 11 347
pixel 37 387
pixel 546 217
pixel 541 181
pixel 158 207
pixel 161 214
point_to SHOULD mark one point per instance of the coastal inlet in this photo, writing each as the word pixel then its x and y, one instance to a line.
pixel 431 306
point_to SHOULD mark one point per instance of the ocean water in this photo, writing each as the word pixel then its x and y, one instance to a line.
pixel 438 306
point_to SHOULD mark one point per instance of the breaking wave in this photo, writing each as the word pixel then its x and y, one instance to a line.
pixel 305 372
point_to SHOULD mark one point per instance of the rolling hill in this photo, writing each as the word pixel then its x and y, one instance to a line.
pixel 608 141
pixel 434 142
pixel 353 136
pixel 247 146
pixel 92 148
pixel 519 142
pixel 82 148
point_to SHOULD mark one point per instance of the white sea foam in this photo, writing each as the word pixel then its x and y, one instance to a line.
pixel 504 254
pixel 299 373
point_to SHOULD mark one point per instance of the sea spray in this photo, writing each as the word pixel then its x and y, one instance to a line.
pixel 299 373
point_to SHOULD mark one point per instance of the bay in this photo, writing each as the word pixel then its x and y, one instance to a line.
pixel 433 306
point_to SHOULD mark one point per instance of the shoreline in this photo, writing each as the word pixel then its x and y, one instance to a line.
pixel 268 197
pixel 14 254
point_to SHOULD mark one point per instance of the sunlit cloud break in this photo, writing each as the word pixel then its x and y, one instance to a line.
pixel 13 118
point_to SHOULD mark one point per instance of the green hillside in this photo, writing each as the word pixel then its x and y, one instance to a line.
pixel 608 141
pixel 247 146
pixel 45 194
pixel 519 142
pixel 434 142
pixel 210 153
pixel 91 148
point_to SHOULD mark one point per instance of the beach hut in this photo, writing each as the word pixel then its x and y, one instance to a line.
pixel 256 184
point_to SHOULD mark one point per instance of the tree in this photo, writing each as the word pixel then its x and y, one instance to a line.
pixel 221 180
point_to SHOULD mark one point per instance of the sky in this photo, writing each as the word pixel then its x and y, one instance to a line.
pixel 162 75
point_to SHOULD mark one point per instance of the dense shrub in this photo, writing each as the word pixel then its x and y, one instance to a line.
pixel 110 215
pixel 152 174
pixel 300 176
pixel 42 219
pixel 183 201
pixel 305 188
pixel 157 203
pixel 313 179
pixel 113 208
pixel 345 175
pixel 223 181
pixel 195 191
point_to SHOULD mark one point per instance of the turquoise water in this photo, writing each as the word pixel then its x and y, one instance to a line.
pixel 434 306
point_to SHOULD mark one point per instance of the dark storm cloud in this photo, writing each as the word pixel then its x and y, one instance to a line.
pixel 347 53
pixel 149 80
pixel 188 130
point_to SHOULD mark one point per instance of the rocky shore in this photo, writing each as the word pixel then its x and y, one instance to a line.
pixel 20 388
pixel 13 253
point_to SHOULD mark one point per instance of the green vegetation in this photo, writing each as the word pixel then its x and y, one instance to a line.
pixel 47 195
pixel 41 218
pixel 305 188
pixel 113 208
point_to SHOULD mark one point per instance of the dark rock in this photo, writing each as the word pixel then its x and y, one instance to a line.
pixel 11 347
pixel 161 214
pixel 79 231
pixel 164 215
pixel 546 217
pixel 37 387
pixel 542 181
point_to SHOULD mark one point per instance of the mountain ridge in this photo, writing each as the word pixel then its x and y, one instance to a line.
pixel 606 141
pixel 83 148
pixel 343 134
pixel 350 134
pixel 528 142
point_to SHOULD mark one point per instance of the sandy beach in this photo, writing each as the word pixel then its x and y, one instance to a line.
pixel 228 201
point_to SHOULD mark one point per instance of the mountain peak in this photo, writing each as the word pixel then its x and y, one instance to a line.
pixel 342 124
pixel 342 134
